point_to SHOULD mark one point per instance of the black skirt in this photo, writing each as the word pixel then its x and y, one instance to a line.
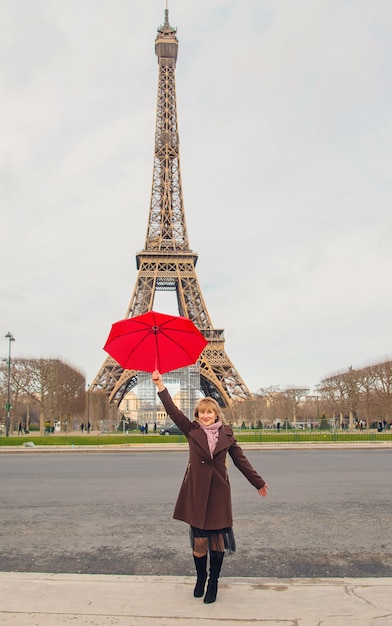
pixel 227 534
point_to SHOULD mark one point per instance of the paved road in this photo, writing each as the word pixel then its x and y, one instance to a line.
pixel 328 513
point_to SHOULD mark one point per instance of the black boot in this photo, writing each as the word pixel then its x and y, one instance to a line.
pixel 216 559
pixel 201 569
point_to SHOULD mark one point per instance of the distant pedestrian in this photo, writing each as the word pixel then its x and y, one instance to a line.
pixel 82 427
pixel 146 428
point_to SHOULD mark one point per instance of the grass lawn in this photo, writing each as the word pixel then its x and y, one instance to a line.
pixel 252 436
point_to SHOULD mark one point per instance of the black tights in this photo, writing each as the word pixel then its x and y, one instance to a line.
pixel 200 546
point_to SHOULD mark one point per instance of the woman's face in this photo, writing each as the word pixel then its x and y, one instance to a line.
pixel 206 415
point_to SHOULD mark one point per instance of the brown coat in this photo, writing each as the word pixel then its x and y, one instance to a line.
pixel 204 500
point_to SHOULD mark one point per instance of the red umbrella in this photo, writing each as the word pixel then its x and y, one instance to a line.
pixel 155 341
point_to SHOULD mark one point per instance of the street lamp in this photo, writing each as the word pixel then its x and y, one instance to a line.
pixel 318 403
pixel 10 338
pixel 88 408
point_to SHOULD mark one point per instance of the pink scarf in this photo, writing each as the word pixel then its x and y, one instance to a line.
pixel 212 433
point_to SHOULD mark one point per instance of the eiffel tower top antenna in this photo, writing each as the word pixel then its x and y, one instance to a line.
pixel 166 22
pixel 166 29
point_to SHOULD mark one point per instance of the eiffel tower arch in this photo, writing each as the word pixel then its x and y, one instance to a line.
pixel 167 263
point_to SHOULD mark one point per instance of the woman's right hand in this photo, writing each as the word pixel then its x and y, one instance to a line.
pixel 156 378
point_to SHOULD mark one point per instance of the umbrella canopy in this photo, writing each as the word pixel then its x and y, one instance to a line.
pixel 155 341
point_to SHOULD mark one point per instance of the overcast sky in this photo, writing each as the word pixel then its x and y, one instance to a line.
pixel 285 125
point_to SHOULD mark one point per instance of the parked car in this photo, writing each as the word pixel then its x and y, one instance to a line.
pixel 170 430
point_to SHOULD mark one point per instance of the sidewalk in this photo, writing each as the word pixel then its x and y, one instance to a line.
pixel 97 600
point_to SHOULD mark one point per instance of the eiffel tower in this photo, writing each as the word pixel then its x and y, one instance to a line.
pixel 167 263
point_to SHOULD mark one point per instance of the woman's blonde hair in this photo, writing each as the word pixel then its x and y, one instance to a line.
pixel 209 403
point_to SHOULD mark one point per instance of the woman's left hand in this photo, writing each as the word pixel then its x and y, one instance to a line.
pixel 263 491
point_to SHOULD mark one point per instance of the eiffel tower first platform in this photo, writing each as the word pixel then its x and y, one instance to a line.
pixel 167 263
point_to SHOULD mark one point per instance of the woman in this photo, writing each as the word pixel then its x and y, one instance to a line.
pixel 204 501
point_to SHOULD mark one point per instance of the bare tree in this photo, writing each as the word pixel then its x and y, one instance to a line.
pixel 57 387
pixel 295 395
pixel 98 407
pixel 366 384
pixel 271 397
pixel 364 393
pixel 382 373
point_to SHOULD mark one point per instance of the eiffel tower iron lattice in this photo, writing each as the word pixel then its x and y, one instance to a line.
pixel 167 263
